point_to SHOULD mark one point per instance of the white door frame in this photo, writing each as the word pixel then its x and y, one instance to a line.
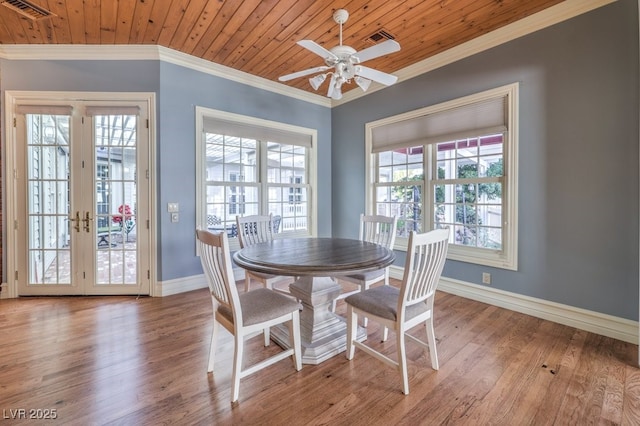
pixel 12 99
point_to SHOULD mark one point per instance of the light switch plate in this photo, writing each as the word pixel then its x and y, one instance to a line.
pixel 173 207
pixel 174 217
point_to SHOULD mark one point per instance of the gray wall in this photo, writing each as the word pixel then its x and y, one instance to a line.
pixel 578 162
pixel 178 91
pixel 578 182
pixel 79 76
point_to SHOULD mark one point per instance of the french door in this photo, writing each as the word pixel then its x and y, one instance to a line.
pixel 82 188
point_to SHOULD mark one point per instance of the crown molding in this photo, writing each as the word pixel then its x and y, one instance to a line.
pixel 198 64
pixel 553 15
pixel 79 52
pixel 550 16
pixel 154 53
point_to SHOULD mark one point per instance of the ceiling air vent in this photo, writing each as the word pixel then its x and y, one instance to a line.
pixel 378 36
pixel 27 9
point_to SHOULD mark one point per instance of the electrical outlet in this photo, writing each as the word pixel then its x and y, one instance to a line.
pixel 486 278
pixel 173 207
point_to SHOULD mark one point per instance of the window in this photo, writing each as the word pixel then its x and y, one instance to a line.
pixel 467 183
pixel 251 166
pixel 451 165
pixel 237 200
pixel 103 199
pixel 287 185
pixel 400 187
pixel 295 193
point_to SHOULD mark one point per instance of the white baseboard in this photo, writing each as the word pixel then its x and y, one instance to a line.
pixel 594 322
pixel 182 285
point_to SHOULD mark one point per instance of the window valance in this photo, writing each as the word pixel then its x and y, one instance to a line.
pixel 44 109
pixel 484 117
pixel 255 131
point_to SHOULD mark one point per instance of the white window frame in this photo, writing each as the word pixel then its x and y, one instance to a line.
pixel 201 220
pixel 507 258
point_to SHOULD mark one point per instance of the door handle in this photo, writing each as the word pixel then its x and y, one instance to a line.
pixel 76 220
pixel 86 221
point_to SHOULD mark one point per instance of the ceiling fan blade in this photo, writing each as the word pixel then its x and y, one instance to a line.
pixel 332 84
pixel 381 49
pixel 303 73
pixel 317 49
pixel 375 75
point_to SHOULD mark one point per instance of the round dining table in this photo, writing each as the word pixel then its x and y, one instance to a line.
pixel 315 262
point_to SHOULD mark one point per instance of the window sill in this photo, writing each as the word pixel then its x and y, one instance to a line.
pixel 482 257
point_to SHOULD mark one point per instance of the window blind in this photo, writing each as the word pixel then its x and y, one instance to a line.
pixel 257 132
pixel 92 111
pixel 44 109
pixel 479 118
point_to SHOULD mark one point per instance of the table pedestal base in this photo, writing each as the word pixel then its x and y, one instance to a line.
pixel 323 333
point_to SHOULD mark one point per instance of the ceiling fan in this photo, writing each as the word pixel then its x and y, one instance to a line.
pixel 345 61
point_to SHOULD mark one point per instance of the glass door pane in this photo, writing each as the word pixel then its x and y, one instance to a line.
pixel 48 200
pixel 115 209
pixel 82 189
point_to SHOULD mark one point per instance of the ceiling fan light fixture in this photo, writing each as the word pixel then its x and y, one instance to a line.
pixel 317 81
pixel 337 91
pixel 345 62
pixel 363 83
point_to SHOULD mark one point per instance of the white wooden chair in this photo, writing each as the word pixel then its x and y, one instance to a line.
pixel 404 308
pixel 244 314
pixel 256 229
pixel 374 229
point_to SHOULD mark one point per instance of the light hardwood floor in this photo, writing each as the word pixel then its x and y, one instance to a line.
pixel 122 360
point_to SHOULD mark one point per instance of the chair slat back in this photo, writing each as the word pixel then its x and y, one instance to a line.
pixel 254 229
pixel 378 229
pixel 216 264
pixel 426 255
pixel 275 223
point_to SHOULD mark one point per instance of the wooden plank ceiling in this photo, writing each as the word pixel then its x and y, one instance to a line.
pixel 259 36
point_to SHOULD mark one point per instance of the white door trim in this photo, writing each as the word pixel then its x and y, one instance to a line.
pixel 13 98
